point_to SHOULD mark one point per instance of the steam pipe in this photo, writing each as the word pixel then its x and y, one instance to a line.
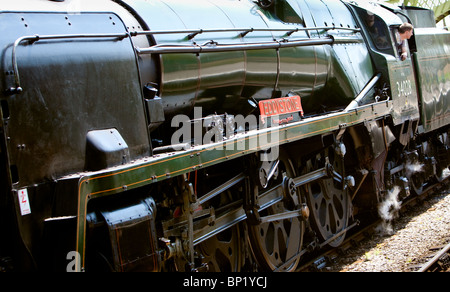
pixel 244 31
pixel 212 47
pixel 356 102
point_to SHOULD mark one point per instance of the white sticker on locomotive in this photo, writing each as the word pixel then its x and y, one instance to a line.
pixel 24 202
pixel 404 88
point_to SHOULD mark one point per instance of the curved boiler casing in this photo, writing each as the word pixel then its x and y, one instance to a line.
pixel 224 81
pixel 80 101
pixel 111 110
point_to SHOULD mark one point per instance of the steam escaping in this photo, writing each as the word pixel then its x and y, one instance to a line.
pixel 412 168
pixel 389 207
pixel 388 210
pixel 446 173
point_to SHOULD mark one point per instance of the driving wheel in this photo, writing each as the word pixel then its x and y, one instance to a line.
pixel 276 244
pixel 328 203
pixel 223 252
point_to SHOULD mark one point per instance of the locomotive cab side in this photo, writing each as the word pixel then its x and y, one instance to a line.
pixel 381 32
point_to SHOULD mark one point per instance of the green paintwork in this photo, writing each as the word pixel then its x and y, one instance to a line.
pixel 323 75
pixel 74 88
pixel 433 64
pixel 419 85
pixel 404 92
pixel 396 74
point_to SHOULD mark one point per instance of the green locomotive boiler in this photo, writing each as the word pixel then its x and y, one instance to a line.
pixel 210 135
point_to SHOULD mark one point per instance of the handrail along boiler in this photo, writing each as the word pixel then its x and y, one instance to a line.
pixel 232 135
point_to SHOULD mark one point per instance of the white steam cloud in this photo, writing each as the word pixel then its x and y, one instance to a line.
pixel 388 210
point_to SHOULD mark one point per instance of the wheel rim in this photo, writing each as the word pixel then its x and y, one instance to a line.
pixel 329 205
pixel 276 243
pixel 417 184
pixel 222 252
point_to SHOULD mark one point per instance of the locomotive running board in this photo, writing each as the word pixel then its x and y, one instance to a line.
pixel 154 169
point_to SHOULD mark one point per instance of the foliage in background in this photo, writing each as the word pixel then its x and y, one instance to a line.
pixel 441 7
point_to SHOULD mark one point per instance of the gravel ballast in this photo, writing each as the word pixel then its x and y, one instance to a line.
pixel 396 247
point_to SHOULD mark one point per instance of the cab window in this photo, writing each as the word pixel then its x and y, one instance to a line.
pixel 377 31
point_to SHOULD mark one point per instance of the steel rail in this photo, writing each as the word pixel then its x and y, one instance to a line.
pixel 435 259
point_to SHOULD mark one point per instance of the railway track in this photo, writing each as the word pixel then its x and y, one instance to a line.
pixel 436 261
pixel 439 260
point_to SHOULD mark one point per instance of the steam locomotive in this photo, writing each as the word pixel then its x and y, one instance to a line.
pixel 210 135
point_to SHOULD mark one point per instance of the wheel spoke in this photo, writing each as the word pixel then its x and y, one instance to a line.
pixel 327 202
pixel 295 227
pixel 276 241
pixel 222 252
